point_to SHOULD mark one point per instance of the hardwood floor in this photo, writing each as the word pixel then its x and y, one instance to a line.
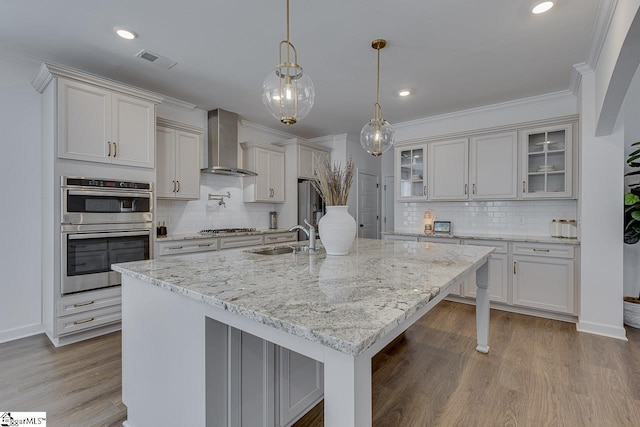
pixel 539 373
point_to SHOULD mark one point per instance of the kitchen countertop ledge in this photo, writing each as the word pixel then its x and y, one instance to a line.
pixel 506 237
pixel 346 302
pixel 193 236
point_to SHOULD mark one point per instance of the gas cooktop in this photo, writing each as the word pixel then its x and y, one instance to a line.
pixel 226 230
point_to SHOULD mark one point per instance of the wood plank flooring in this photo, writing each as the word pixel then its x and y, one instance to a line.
pixel 539 373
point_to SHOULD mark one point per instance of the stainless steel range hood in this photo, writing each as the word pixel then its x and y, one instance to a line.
pixel 223 145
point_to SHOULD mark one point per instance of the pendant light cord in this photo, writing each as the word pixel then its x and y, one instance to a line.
pixel 377 107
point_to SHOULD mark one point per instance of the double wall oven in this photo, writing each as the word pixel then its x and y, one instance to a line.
pixel 103 222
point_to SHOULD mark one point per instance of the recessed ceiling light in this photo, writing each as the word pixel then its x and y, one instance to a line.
pixel 125 33
pixel 541 7
pixel 404 92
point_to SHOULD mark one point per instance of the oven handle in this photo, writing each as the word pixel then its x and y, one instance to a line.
pixel 109 193
pixel 108 234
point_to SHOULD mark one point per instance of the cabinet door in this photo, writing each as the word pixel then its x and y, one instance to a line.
pixel 276 177
pixel 251 380
pixel 448 170
pixel 301 385
pixel 166 173
pixel 133 131
pixel 543 282
pixel 493 166
pixel 305 162
pixel 262 182
pixel 546 166
pixel 498 279
pixel 84 122
pixel 187 165
pixel 411 176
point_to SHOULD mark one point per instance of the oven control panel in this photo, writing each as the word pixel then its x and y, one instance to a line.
pixel 105 183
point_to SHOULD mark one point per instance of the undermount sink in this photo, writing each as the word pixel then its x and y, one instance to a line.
pixel 274 251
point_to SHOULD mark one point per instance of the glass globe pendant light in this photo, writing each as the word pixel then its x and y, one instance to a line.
pixel 287 91
pixel 377 135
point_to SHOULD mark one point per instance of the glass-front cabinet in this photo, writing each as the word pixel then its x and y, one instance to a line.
pixel 411 168
pixel 546 162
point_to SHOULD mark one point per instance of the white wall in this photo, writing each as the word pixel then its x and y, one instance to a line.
pixel 20 259
pixel 631 111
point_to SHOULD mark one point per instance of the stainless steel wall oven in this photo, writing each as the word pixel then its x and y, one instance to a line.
pixel 103 222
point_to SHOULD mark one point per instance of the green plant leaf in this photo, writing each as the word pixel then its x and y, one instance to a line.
pixel 636 215
pixel 629 224
pixel 632 158
pixel 631 199
pixel 635 143
pixel 635 152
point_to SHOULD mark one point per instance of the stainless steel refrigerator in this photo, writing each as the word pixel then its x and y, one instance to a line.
pixel 310 206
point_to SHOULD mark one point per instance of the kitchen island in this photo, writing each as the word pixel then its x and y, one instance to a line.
pixel 337 310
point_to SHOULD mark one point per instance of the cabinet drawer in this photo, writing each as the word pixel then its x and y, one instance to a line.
pixel 279 238
pixel 400 237
pixel 541 249
pixel 501 247
pixel 89 319
pixel 240 241
pixel 86 301
pixel 187 246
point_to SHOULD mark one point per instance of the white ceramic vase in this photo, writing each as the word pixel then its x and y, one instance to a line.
pixel 337 230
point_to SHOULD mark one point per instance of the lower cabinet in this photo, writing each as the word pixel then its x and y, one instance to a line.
pixel 533 278
pixel 543 282
pixel 269 386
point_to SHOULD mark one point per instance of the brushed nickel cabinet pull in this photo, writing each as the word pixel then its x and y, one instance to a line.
pixel 524 189
pixel 109 154
pixel 204 246
pixel 514 267
pixel 175 247
pixel 80 322
pixel 178 187
pixel 174 186
pixel 473 189
pixel 115 149
pixel 424 190
pixel 82 304
pixel 466 188
pixel 541 250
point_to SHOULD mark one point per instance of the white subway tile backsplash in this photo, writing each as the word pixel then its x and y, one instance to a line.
pixel 194 215
pixel 525 217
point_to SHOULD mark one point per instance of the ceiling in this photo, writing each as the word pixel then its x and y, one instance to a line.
pixel 452 54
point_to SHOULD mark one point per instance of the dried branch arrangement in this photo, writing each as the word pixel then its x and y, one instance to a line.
pixel 333 182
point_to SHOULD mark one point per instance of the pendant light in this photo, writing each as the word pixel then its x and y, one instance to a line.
pixel 377 135
pixel 287 91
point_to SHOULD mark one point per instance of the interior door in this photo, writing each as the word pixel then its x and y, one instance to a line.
pixel 367 205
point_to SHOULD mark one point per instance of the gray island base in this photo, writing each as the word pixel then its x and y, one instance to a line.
pixel 180 315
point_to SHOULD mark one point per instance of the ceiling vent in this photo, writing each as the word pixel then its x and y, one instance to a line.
pixel 156 59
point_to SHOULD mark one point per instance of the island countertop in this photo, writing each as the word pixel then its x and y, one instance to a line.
pixel 343 302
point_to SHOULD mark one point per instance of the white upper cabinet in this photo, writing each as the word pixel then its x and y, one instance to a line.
pixel 411 172
pixel 493 167
pixel 99 125
pixel 268 162
pixel 547 159
pixel 307 158
pixel 178 148
pixel 448 170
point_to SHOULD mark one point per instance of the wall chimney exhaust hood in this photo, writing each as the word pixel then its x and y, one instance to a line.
pixel 223 145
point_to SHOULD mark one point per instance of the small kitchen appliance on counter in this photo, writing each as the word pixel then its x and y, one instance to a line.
pixel 442 228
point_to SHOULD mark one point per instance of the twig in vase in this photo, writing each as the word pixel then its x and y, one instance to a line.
pixel 333 182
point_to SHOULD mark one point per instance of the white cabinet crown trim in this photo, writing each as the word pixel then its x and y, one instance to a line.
pixel 271 147
pixel 496 129
pixel 178 126
pixel 48 71
pixel 302 142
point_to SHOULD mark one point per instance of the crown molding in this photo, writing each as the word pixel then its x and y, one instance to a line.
pixel 160 121
pixel 486 108
pixel 273 147
pixel 183 105
pixel 604 16
pixel 576 76
pixel 277 133
pixel 48 71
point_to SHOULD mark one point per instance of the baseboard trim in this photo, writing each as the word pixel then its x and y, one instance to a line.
pixel 605 330
pixel 22 332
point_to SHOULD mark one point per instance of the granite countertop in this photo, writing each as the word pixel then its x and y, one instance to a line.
pixel 344 302
pixel 192 236
pixel 506 237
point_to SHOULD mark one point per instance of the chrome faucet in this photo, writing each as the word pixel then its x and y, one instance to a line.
pixel 311 234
